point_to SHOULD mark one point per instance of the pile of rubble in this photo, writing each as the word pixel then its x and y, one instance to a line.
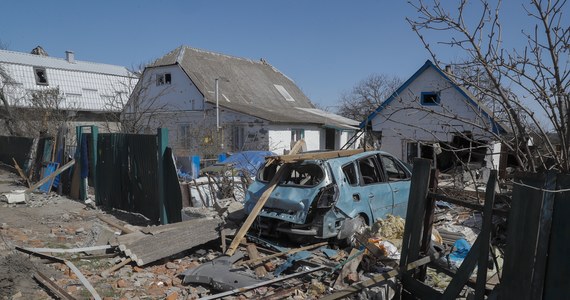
pixel 76 251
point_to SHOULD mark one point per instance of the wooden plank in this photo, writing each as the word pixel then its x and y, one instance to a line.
pixel 261 202
pixel 523 224
pixel 52 286
pixel 428 223
pixel 21 173
pixel 253 254
pixel 464 271
pixel 316 155
pixel 50 177
pixel 349 267
pixel 416 210
pixel 463 203
pixel 114 268
pixel 256 260
pixel 485 236
pixel 114 224
pixel 71 266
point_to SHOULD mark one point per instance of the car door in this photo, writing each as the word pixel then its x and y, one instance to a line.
pixel 399 181
pixel 373 187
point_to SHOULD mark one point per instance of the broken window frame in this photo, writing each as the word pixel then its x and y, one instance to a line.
pixel 163 79
pixel 300 175
pixel 351 179
pixel 371 164
pixel 388 161
pixel 40 74
pixel 430 98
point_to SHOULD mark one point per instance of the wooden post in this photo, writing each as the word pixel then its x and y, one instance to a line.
pixel 253 254
pixel 485 236
pixel 416 211
pixel 428 222
pixel 162 141
pixel 261 202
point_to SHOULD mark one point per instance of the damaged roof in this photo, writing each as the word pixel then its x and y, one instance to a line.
pixel 497 126
pixel 252 87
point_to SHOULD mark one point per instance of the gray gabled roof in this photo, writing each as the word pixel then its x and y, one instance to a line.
pixel 252 87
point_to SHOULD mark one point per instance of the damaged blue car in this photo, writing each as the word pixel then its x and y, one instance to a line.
pixel 330 198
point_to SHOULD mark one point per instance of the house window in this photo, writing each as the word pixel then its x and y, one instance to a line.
pixel 164 78
pixel 430 98
pixel 238 137
pixel 41 76
pixel 183 136
pixel 297 134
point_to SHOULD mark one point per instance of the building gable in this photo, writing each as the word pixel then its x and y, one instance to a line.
pixel 432 83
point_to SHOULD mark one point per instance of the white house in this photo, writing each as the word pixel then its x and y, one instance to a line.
pixel 212 102
pixel 432 117
pixel 80 92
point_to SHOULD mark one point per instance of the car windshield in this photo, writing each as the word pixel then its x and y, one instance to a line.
pixel 306 174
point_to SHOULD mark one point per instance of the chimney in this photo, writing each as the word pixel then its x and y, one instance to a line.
pixel 70 56
pixel 448 69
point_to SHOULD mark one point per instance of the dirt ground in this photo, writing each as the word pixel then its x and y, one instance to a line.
pixel 53 221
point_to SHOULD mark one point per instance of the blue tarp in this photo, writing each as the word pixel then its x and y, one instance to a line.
pixel 248 161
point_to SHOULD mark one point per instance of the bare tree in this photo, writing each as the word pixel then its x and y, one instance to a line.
pixel 367 95
pixel 537 75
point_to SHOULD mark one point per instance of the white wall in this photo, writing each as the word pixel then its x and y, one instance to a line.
pixel 406 119
pixel 181 94
pixel 280 137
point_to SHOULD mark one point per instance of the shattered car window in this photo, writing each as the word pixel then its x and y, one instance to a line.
pixel 350 174
pixel 298 174
pixel 368 170
pixel 305 175
pixel 393 169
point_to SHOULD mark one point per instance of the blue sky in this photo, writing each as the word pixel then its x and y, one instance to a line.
pixel 325 46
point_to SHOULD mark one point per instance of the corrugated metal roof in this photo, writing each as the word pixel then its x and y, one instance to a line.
pixel 252 87
pixel 83 85
pixel 60 63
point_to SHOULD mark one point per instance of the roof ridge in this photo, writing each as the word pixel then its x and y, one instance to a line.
pixel 57 58
pixel 224 55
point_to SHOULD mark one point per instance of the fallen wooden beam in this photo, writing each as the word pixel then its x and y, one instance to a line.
pixel 114 268
pixel 52 286
pixel 253 254
pixel 21 173
pixel 261 202
pixel 71 266
pixel 114 224
pixel 316 155
pixel 262 258
pixel 51 176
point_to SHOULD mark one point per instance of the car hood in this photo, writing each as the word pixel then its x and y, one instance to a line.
pixel 287 203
